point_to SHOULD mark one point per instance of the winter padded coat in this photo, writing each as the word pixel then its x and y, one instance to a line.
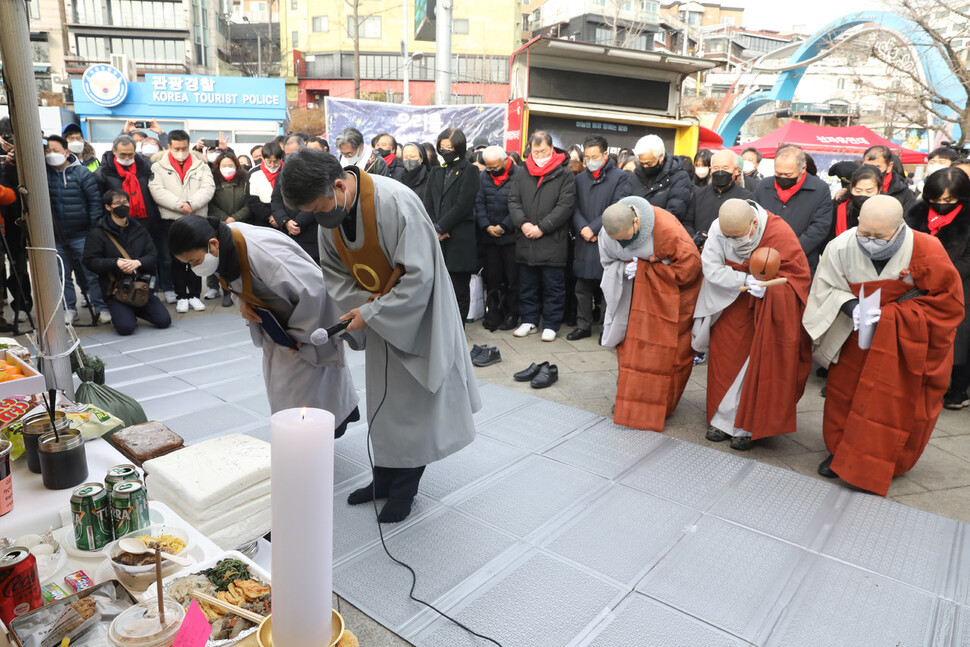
pixel 109 179
pixel 492 208
pixel 169 191
pixel 229 200
pixel 450 201
pixel 669 189
pixel 593 196
pixel 75 200
pixel 548 205
pixel 101 256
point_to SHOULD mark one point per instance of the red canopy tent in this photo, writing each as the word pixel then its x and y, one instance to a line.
pixel 851 141
pixel 709 139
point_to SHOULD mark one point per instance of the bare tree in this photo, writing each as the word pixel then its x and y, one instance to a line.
pixel 245 55
pixel 624 30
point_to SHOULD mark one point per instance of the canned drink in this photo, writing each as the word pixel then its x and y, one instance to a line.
pixel 120 473
pixel 91 513
pixel 129 507
pixel 19 583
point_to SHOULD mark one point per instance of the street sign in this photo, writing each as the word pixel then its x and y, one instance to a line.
pixel 424 19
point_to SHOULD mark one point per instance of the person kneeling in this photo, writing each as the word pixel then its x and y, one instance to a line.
pixel 121 252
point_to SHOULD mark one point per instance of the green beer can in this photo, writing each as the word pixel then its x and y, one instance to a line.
pixel 129 507
pixel 120 473
pixel 91 515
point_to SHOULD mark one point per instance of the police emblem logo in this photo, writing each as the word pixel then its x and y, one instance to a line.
pixel 105 85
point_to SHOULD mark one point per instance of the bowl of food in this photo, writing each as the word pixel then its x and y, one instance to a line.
pixel 47 551
pixel 137 571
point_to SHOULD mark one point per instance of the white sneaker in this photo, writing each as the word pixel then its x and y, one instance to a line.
pixel 525 329
pixel 196 304
pixel 104 317
pixel 182 305
pixel 21 316
pixel 548 334
pixel 83 301
pixel 211 293
pixel 170 297
pixel 70 316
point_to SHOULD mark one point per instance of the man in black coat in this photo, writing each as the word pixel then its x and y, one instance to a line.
pixel 498 239
pixel 102 256
pixel 541 203
pixel 600 185
pixel 661 179
pixel 111 177
pixel 802 200
pixel 882 158
pixel 708 199
pixel 385 146
pixel 300 225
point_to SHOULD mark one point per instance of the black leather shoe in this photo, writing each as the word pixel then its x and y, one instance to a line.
pixel 715 435
pixel 226 300
pixel 547 376
pixel 825 468
pixel 741 443
pixel 579 333
pixel 511 322
pixel 487 357
pixel 824 388
pixel 526 375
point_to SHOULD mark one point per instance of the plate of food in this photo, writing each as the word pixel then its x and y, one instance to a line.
pixel 50 557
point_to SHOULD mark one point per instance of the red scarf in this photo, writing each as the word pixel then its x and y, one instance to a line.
pixel 596 173
pixel 131 186
pixel 390 158
pixel 271 175
pixel 541 172
pixel 785 194
pixel 500 179
pixel 938 222
pixel 181 167
pixel 841 218
pixel 887 180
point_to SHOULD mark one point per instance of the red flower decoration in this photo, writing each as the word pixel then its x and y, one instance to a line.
pixel 905 273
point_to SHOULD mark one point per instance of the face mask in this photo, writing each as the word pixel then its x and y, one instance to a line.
pixel 228 172
pixel 212 157
pixel 650 171
pixel 121 211
pixel 332 219
pixel 271 169
pixel 786 182
pixel 749 167
pixel 722 179
pixel 495 172
pixel 744 245
pixel 541 162
pixel 410 165
pixel 351 160
pixel 701 171
pixel 208 265
pixel 634 241
pixel 127 162
pixel 933 168
pixel 594 165
pixel 75 147
pixel 149 150
pixel 882 250
pixel 859 200
pixel 383 152
pixel 55 159
pixel 447 157
pixel 139 147
pixel 180 156
pixel 943 209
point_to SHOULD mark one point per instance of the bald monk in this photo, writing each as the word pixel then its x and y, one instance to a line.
pixel 882 403
pixel 651 277
pixel 760 356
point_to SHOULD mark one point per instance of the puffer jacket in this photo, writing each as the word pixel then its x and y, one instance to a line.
pixel 549 206
pixel 169 191
pixel 75 200
pixel 492 208
pixel 670 189
pixel 108 178
pixel 229 200
pixel 101 256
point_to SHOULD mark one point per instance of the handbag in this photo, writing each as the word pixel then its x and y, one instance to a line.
pixel 131 290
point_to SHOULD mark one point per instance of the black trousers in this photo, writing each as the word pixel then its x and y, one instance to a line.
pixel 502 275
pixel 397 482
pixel 184 281
pixel 123 316
pixel 586 290
pixel 17 253
pixel 461 282
pixel 960 378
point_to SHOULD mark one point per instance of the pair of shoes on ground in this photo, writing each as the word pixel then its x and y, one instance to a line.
pixel 526 329
pixel 955 401
pixel 539 376
pixel 579 333
pixel 394 511
pixel 738 443
pixel 485 355
pixel 183 305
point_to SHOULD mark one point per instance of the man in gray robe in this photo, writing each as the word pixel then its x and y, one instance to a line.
pixel 383 265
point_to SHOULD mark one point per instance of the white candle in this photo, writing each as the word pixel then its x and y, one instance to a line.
pixel 302 480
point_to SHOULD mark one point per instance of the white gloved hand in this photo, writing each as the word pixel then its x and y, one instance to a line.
pixel 754 289
pixel 631 269
pixel 871 320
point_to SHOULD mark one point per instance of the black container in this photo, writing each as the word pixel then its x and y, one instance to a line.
pixel 36 426
pixel 63 464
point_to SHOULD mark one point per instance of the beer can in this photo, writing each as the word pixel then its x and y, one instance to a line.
pixel 120 473
pixel 129 507
pixel 91 514
pixel 19 583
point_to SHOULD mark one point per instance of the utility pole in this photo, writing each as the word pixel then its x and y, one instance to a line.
pixel 18 69
pixel 442 76
pixel 404 55
pixel 356 6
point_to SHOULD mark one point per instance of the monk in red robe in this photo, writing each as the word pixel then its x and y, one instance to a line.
pixel 651 277
pixel 882 401
pixel 760 356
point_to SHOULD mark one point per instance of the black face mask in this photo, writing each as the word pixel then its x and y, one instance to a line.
pixel 333 218
pixel 943 209
pixel 859 200
pixel 448 156
pixel 650 171
pixel 786 182
pixel 383 152
pixel 722 179
pixel 496 172
pixel 123 210
pixel 411 164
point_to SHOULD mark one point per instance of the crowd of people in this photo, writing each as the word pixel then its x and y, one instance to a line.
pixel 668 259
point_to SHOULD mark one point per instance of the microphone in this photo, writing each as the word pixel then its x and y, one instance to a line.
pixel 321 336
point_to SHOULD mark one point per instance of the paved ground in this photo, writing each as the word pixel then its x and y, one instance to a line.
pixel 940 483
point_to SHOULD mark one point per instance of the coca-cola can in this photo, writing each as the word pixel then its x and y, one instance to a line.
pixel 19 583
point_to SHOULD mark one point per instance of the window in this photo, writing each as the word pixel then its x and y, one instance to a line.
pixel 460 26
pixel 294 5
pixel 33 7
pixel 321 23
pixel 142 50
pixel 840 84
pixel 295 37
pixel 369 27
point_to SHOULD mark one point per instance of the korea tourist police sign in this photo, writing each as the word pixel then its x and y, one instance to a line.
pixel 207 90
pixel 104 85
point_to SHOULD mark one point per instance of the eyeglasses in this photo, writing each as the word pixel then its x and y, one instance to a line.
pixel 880 242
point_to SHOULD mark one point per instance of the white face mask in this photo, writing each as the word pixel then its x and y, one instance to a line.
pixel 213 156
pixel 208 265
pixel 127 162
pixel 594 165
pixel 351 160
pixel 149 150
pixel 55 159
pixel 541 162
pixel 701 171
pixel 75 147
pixel 749 167
pixel 180 156
pixel 138 147
pixel 228 172
pixel 933 168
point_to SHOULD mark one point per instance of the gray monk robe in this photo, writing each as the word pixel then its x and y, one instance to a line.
pixel 287 280
pixel 416 356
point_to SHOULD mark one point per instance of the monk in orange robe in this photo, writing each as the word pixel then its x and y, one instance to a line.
pixel 882 402
pixel 651 277
pixel 760 356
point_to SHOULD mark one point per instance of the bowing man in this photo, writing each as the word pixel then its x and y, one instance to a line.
pixel 760 356
pixel 882 403
pixel 651 277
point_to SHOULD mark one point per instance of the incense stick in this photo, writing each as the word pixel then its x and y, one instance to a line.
pixel 158 586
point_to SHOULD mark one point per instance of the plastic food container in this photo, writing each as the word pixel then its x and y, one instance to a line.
pixel 139 578
pixel 140 625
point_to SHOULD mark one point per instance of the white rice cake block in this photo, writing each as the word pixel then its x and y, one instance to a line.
pixel 158 492
pixel 244 531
